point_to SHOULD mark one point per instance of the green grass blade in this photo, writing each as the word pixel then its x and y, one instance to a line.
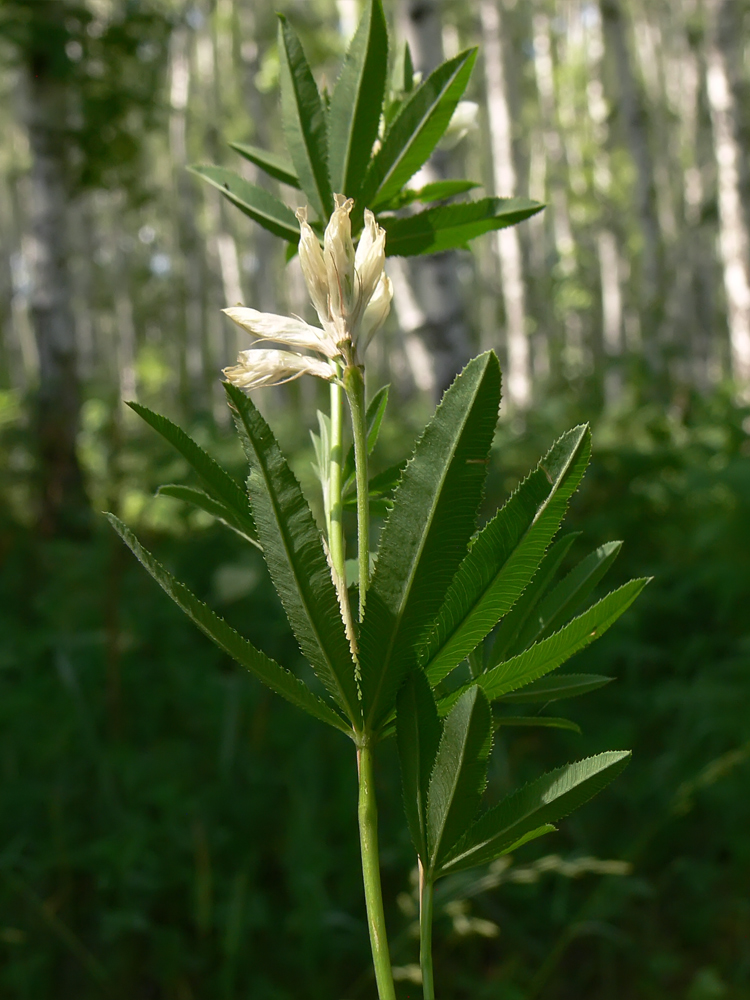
pixel 451 227
pixel 543 721
pixel 275 166
pixel 547 655
pixel 556 688
pixel 506 554
pixel 273 675
pixel 356 102
pixel 567 597
pixel 460 774
pixel 295 557
pixel 217 482
pixel 260 205
pixel 541 802
pixel 418 736
pixel 426 534
pixel 303 119
pixel 201 499
pixel 416 130
pixel 505 644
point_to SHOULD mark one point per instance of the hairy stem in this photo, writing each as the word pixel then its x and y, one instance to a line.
pixel 355 392
pixel 426 891
pixel 335 506
pixel 368 839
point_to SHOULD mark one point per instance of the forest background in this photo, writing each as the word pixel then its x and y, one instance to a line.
pixel 166 829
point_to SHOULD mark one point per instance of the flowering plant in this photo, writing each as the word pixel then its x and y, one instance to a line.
pixel 454 618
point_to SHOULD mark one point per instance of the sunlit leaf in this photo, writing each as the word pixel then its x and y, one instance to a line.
pixel 260 205
pixel 275 166
pixel 202 500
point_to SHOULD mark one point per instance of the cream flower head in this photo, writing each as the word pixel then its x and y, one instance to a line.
pixel 351 294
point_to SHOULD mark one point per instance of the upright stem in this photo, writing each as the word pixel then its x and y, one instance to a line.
pixel 426 891
pixel 368 839
pixel 355 392
pixel 336 525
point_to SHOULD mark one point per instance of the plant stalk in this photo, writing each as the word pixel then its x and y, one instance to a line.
pixel 355 392
pixel 335 506
pixel 426 896
pixel 368 839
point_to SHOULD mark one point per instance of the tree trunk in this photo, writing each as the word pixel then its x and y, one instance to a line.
pixel 437 333
pixel 734 243
pixel 63 507
pixel 518 363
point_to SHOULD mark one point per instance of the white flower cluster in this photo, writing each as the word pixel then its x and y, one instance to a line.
pixel 352 297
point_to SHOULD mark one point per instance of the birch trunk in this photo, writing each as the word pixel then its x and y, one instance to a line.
pixel 436 331
pixel 733 242
pixel 63 503
pixel 518 367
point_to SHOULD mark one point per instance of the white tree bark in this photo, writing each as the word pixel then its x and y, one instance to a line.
pixel 518 366
pixel 734 242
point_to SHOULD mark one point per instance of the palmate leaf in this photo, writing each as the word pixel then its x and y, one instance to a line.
pixel 539 803
pixel 303 119
pixel 294 554
pixel 217 482
pixel 547 655
pixel 556 688
pixel 504 645
pixel 201 499
pixel 506 554
pixel 418 732
pixel 564 600
pixel 262 207
pixel 416 130
pixel 356 102
pixel 449 227
pixel 275 166
pixel 425 536
pixel 276 677
pixel 460 774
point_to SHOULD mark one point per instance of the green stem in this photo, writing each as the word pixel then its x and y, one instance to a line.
pixel 335 506
pixel 426 891
pixel 355 392
pixel 368 839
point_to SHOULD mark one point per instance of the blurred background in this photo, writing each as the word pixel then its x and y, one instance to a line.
pixel 168 829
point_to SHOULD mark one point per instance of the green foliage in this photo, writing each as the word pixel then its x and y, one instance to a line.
pixel 294 554
pixel 418 732
pixel 258 204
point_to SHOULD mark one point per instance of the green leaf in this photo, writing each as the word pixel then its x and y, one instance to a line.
pixel 402 79
pixel 505 643
pixel 217 482
pixel 426 534
pixel 547 655
pixel 303 119
pixel 449 227
pixel 276 677
pixel 460 774
pixel 543 801
pixel 261 206
pixel 275 166
pixel 430 192
pixel 357 101
pixel 556 688
pixel 188 494
pixel 416 130
pixel 506 554
pixel 373 420
pixel 296 560
pixel 545 721
pixel 418 735
pixel 568 596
